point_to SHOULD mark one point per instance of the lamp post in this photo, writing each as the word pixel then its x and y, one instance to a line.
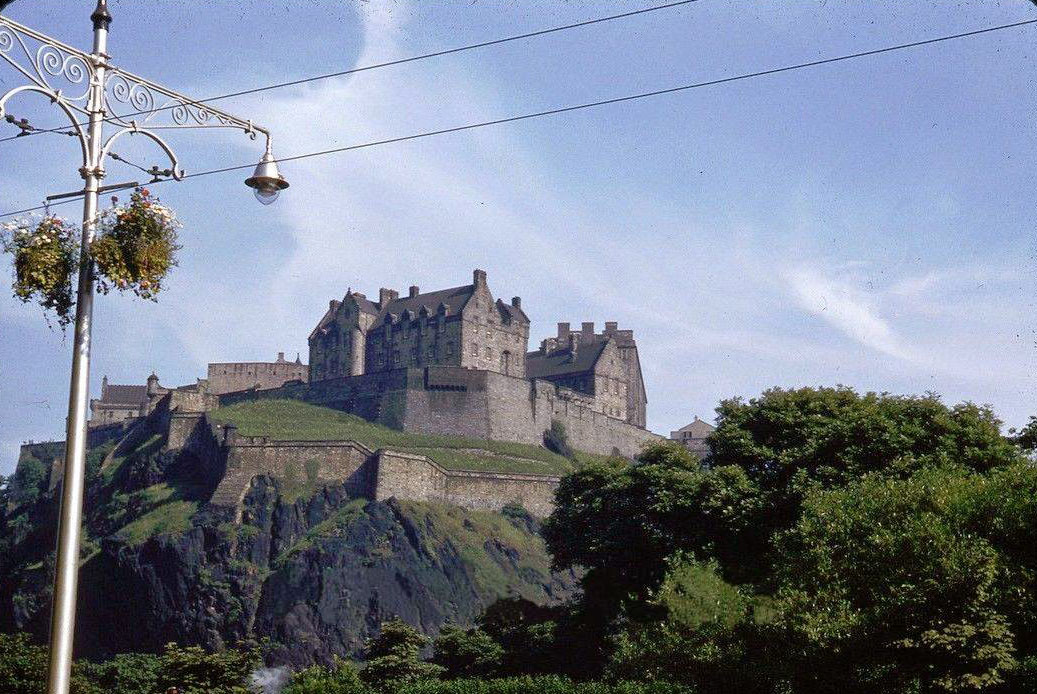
pixel 87 84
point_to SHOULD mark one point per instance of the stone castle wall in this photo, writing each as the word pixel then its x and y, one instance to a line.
pixel 467 402
pixel 232 462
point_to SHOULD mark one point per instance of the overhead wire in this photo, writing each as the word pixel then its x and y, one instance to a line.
pixel 605 102
pixel 365 68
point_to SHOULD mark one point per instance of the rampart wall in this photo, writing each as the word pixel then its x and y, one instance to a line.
pixel 467 402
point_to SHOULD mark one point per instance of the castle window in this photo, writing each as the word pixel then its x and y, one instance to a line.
pixel 475 349
pixel 489 353
pixel 429 354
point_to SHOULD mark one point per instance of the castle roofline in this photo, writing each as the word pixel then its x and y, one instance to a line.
pixel 561 362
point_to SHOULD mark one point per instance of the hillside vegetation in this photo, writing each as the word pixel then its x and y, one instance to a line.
pixel 293 420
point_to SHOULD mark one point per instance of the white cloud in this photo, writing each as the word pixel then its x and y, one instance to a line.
pixel 846 307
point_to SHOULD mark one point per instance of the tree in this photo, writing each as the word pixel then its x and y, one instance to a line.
pixel 921 584
pixel 192 670
pixel 28 481
pixel 340 678
pixel 23 668
pixel 127 673
pixel 627 524
pixel 393 657
pixel 557 439
pixel 466 652
pixel 791 441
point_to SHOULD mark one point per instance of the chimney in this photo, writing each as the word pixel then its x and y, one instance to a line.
pixel 516 301
pixel 280 357
pixel 385 296
pixel 332 305
pixel 104 386
pixel 479 278
pixel 587 330
pixel 414 291
pixel 611 327
pixel 563 332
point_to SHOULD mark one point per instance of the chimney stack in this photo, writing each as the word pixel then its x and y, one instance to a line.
pixel 587 330
pixel 385 296
pixel 563 332
pixel 280 357
pixel 611 327
pixel 414 291
pixel 516 301
pixel 479 278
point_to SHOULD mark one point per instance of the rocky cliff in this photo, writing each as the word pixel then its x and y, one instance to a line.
pixel 314 573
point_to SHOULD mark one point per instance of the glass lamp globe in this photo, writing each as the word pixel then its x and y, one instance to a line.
pixel 266 181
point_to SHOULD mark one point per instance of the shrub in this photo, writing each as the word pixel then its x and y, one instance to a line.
pixel 393 657
pixel 466 653
pixel 340 678
pixel 556 439
pixel 194 671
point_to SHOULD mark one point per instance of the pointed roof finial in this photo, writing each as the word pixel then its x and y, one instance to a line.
pixel 101 17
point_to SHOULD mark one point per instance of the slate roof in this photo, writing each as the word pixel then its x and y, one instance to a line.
pixel 125 395
pixel 560 361
pixel 509 312
pixel 699 428
pixel 455 298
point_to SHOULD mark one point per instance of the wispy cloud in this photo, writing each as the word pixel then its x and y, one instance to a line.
pixel 848 308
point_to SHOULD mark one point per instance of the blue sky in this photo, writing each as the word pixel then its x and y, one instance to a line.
pixel 869 223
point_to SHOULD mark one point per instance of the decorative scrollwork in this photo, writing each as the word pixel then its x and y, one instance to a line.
pixel 6 40
pixel 42 59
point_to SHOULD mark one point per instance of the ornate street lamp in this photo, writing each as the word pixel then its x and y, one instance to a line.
pixel 87 84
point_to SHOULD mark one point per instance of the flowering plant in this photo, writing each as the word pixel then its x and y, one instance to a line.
pixel 136 246
pixel 46 261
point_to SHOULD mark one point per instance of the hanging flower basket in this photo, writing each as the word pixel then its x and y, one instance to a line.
pixel 136 246
pixel 46 262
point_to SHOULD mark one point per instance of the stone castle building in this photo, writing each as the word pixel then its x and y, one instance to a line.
pixel 466 328
pixel 229 377
pixel 693 436
pixel 123 403
pixel 461 327
pixel 118 403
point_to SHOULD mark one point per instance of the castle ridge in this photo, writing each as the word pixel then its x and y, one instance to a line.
pixel 456 361
pixel 449 362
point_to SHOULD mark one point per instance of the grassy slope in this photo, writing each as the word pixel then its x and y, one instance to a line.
pixel 292 420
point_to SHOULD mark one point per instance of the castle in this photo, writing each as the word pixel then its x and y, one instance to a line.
pixel 448 362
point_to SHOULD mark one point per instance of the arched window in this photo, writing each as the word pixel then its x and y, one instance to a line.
pixel 505 363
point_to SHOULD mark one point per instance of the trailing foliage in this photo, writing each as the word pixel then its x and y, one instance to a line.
pixel 137 246
pixel 46 262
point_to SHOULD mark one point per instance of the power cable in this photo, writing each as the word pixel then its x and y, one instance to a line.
pixel 605 102
pixel 400 61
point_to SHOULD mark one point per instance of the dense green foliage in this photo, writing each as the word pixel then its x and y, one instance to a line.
pixel 834 541
pixel 557 439
pixel 394 657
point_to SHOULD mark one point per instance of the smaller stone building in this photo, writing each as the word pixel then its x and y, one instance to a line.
pixel 693 436
pixel 118 403
pixel 230 377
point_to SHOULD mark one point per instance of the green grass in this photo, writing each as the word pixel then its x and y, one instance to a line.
pixel 171 518
pixel 469 532
pixel 328 528
pixel 293 420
